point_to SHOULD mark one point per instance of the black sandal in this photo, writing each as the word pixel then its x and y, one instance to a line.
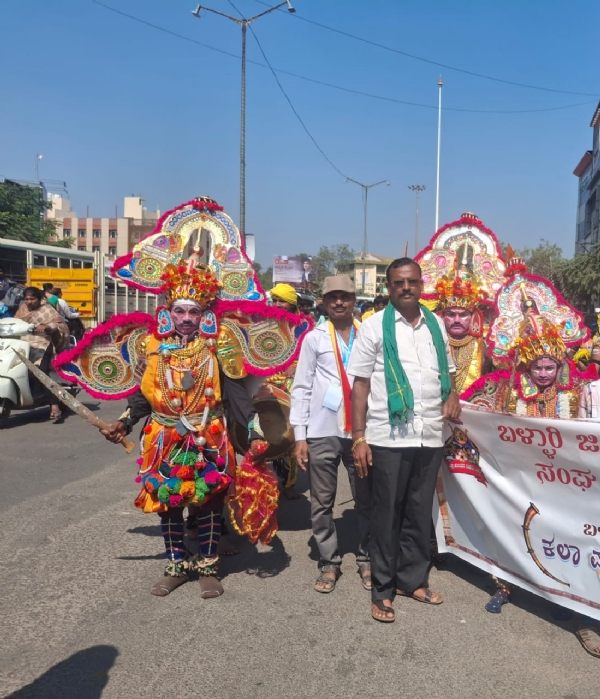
pixel 382 608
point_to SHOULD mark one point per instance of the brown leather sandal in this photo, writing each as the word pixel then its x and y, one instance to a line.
pixel 382 608
pixel 427 599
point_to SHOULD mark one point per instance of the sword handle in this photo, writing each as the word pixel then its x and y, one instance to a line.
pixel 128 445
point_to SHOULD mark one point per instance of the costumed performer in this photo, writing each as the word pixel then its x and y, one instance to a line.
pixel 183 373
pixel 529 337
pixel 459 299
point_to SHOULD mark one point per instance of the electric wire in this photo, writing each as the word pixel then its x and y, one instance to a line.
pixel 341 88
pixel 430 61
pixel 289 101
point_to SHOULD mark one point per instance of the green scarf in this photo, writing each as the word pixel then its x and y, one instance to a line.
pixel 400 394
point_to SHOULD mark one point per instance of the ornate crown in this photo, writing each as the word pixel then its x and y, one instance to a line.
pixel 537 338
pixel 459 290
pixel 199 284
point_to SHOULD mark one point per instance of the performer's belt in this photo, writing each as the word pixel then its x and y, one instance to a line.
pixel 170 421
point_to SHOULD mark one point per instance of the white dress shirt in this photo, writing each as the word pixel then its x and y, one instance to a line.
pixel 419 360
pixel 316 371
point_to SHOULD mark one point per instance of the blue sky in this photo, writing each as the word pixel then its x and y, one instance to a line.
pixel 119 108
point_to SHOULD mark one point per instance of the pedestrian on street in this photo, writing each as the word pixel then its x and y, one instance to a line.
pixel 403 370
pixel 321 417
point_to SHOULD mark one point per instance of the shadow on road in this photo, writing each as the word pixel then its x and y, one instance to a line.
pixel 528 602
pixel 82 676
pixel 147 530
pixel 262 561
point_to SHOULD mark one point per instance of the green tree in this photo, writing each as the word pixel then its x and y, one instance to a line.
pixel 22 210
pixel 331 260
pixel 579 278
pixel 265 278
pixel 545 260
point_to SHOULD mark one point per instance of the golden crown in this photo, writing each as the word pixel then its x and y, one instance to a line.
pixel 538 338
pixel 199 284
pixel 456 290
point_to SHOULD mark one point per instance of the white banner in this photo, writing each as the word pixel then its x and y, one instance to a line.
pixel 520 498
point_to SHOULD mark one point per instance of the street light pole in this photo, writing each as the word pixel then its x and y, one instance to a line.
pixel 366 188
pixel 416 188
pixel 439 146
pixel 38 157
pixel 243 23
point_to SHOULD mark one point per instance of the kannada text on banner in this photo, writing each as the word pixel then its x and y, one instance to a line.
pixel 519 497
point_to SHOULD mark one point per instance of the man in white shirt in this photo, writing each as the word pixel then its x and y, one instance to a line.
pixel 63 307
pixel 404 374
pixel 321 417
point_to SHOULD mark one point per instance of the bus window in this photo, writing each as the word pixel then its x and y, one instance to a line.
pixel 65 263
pixel 88 265
pixel 39 260
pixel 51 261
pixel 76 264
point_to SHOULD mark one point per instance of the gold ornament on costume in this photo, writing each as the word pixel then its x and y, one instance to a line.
pixel 198 284
pixel 459 289
pixel 539 338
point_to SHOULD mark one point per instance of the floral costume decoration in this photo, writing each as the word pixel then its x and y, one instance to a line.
pixel 193 257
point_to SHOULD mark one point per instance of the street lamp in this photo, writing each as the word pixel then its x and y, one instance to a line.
pixel 366 188
pixel 416 188
pixel 243 23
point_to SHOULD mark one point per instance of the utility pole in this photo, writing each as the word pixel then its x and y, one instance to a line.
pixel 416 188
pixel 439 146
pixel 38 157
pixel 243 23
pixel 366 188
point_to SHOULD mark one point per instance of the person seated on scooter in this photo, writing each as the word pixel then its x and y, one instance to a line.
pixel 50 333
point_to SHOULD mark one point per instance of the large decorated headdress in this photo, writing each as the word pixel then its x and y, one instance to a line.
pixel 459 289
pixel 198 229
pixel 198 284
pixel 467 244
pixel 538 338
pixel 533 318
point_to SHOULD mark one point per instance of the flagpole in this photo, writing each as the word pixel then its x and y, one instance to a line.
pixel 439 145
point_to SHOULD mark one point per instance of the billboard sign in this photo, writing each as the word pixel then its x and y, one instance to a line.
pixel 292 270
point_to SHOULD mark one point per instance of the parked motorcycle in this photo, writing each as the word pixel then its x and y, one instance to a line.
pixel 18 389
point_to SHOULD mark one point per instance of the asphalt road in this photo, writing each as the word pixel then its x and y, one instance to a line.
pixel 78 622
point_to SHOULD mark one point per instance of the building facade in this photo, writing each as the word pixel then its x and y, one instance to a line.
pixel 374 268
pixel 111 236
pixel 587 231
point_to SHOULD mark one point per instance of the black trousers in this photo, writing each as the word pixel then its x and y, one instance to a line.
pixel 401 501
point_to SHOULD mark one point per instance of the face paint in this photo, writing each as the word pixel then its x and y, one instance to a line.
pixel 457 322
pixel 186 318
pixel 543 372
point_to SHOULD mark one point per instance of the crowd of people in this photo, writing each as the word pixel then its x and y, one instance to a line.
pixel 371 395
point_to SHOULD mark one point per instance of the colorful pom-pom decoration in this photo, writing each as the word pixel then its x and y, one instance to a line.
pixel 175 501
pixel 163 494
pixel 188 489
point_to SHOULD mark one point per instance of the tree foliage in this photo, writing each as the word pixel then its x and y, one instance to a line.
pixel 264 277
pixel 22 210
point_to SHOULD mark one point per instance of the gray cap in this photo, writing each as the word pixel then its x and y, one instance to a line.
pixel 340 282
